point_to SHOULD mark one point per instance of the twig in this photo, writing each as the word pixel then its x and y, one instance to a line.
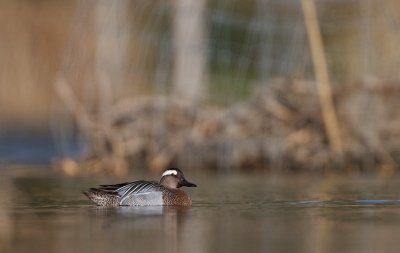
pixel 70 100
pixel 322 76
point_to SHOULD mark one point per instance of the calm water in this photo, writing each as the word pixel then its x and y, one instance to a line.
pixel 45 212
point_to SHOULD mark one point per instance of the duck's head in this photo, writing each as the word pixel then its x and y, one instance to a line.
pixel 174 178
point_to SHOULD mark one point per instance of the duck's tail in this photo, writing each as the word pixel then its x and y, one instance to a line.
pixel 101 198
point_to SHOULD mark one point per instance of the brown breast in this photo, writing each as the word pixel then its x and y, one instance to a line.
pixel 176 197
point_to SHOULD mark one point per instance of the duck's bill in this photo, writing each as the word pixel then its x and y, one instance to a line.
pixel 187 183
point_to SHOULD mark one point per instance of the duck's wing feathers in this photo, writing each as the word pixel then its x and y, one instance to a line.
pixel 125 190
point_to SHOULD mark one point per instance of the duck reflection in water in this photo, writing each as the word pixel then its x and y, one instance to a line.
pixel 166 224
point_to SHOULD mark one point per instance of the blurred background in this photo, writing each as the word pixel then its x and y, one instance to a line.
pixel 269 85
pixel 101 92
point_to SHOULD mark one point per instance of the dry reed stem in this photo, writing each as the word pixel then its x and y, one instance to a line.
pixel 322 76
pixel 70 100
pixel 91 125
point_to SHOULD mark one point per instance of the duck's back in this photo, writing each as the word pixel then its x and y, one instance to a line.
pixel 138 193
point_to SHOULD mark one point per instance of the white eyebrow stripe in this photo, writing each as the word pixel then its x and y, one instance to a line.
pixel 170 172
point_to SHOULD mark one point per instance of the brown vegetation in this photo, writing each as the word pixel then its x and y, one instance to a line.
pixel 279 128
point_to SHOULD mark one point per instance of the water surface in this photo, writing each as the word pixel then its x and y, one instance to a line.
pixel 42 211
